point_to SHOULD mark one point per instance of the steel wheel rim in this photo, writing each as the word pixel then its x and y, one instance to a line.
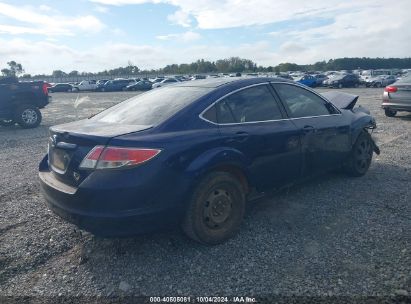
pixel 217 208
pixel 363 155
pixel 29 116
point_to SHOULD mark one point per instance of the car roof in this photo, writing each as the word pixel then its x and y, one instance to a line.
pixel 218 82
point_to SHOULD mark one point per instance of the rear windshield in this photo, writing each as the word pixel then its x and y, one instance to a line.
pixel 153 107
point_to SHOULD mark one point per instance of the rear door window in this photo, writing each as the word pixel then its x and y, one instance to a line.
pixel 253 104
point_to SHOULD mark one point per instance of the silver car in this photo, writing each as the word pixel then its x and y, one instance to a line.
pixel 380 81
pixel 397 97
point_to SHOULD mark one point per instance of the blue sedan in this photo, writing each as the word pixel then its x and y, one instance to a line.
pixel 191 154
pixel 308 80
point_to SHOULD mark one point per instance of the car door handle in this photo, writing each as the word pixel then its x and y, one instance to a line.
pixel 238 137
pixel 309 129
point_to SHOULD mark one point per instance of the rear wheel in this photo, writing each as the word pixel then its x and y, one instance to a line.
pixel 361 155
pixel 389 112
pixel 7 122
pixel 28 116
pixel 216 209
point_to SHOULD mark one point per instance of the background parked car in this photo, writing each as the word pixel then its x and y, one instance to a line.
pixel 101 82
pixel 380 81
pixel 397 97
pixel 320 79
pixel 85 85
pixel 165 82
pixel 157 79
pixel 142 85
pixel 20 102
pixel 115 85
pixel 307 80
pixel 60 87
pixel 344 81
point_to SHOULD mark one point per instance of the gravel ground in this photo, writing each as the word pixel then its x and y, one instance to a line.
pixel 334 235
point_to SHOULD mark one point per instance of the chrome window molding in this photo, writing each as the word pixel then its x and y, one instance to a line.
pixel 265 121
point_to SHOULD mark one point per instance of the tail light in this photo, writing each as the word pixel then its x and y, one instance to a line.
pixel 101 157
pixel 45 89
pixel 391 89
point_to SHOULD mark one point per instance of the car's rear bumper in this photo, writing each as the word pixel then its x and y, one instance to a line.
pixel 81 207
pixel 397 106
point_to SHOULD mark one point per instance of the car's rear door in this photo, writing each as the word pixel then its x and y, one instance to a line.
pixel 252 122
pixel 325 132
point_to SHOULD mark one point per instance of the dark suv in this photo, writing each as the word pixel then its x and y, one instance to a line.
pixel 20 102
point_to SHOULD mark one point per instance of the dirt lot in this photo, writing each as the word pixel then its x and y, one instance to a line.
pixel 334 235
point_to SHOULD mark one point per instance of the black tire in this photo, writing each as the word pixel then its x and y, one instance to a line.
pixel 28 116
pixel 389 112
pixel 356 85
pixel 7 122
pixel 340 86
pixel 215 210
pixel 361 155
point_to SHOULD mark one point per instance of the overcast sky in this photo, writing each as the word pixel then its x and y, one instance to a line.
pixel 93 35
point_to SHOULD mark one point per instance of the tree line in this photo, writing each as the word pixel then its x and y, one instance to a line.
pixel 228 65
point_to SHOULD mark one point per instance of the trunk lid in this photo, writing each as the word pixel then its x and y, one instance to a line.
pixel 70 143
pixel 403 91
pixel 341 100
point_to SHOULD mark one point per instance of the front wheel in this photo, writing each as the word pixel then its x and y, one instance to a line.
pixel 215 210
pixel 389 112
pixel 28 116
pixel 361 155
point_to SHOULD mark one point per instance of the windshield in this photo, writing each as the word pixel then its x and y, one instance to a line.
pixel 151 108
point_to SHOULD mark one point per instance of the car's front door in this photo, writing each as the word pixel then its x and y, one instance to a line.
pixel 252 122
pixel 324 130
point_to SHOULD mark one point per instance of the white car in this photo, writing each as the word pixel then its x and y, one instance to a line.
pixel 165 82
pixel 86 85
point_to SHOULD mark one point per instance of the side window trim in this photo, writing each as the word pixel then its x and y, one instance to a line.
pixel 273 83
pixel 270 88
